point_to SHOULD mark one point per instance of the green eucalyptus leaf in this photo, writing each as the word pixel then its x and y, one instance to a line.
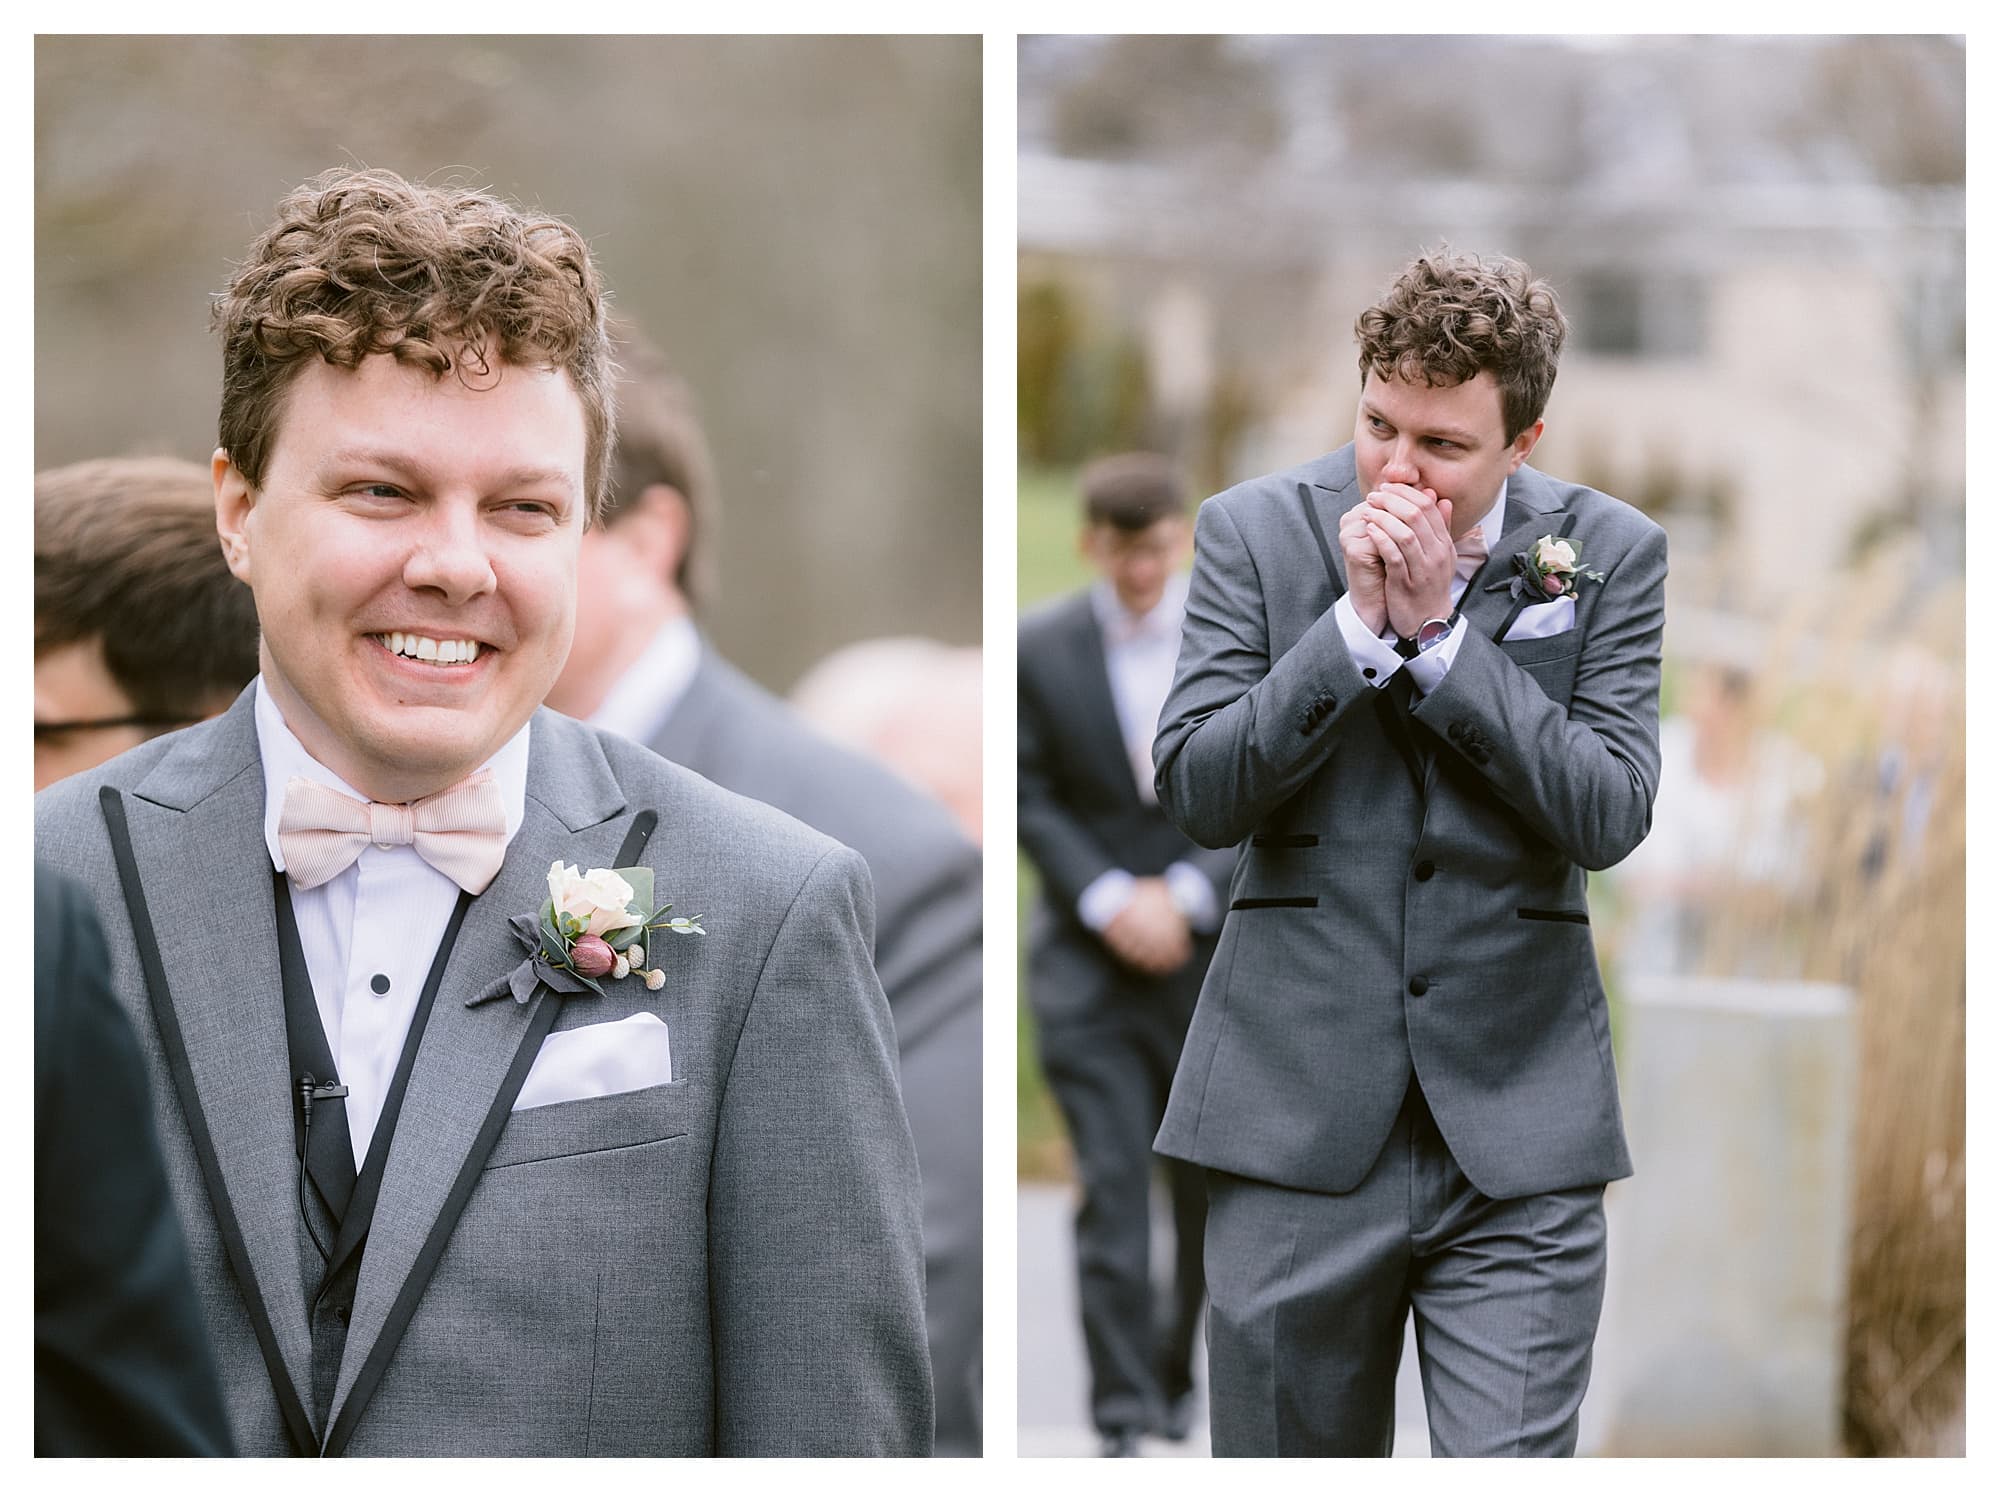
pixel 640 879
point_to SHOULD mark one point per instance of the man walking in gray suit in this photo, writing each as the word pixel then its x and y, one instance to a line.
pixel 1121 934
pixel 1421 680
pixel 643 669
pixel 463 1168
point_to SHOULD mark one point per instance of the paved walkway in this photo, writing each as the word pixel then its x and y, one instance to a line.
pixel 1054 1408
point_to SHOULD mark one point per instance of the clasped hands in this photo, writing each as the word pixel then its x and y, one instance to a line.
pixel 1400 558
pixel 1150 931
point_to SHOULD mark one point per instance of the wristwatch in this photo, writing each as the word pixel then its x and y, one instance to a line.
pixel 1428 636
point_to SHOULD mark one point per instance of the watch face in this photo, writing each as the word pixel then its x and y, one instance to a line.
pixel 1433 632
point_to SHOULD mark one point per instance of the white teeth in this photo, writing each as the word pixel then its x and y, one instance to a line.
pixel 430 649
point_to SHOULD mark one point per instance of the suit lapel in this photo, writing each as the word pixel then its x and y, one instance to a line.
pixel 1332 491
pixel 688 737
pixel 471 1060
pixel 1096 705
pixel 1533 509
pixel 218 998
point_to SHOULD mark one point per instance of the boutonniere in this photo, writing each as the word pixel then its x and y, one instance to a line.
pixel 1549 571
pixel 593 927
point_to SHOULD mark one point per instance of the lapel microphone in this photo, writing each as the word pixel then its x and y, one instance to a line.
pixel 309 1089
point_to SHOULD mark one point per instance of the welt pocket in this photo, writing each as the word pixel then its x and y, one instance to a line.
pixel 586 1126
pixel 1530 652
pixel 1264 903
pixel 1537 914
pixel 1283 841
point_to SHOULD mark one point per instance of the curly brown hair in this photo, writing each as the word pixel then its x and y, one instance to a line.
pixel 1448 317
pixel 441 277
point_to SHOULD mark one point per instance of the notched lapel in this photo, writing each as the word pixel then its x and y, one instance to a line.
pixel 468 1053
pixel 1533 509
pixel 1330 498
pixel 204 879
pixel 1099 709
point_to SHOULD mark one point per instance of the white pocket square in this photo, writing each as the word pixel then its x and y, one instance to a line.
pixel 1549 619
pixel 593 1061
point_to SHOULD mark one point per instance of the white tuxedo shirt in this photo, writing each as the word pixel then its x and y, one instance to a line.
pixel 369 934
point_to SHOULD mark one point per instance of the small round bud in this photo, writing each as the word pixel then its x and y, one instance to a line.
pixel 655 978
pixel 591 956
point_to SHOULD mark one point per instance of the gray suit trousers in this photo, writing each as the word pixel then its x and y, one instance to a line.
pixel 1308 1294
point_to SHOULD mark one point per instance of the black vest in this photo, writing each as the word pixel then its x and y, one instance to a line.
pixel 335 1202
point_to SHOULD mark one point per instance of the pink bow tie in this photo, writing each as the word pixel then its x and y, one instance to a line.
pixel 461 831
pixel 1471 552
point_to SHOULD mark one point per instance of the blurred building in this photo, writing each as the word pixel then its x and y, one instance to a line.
pixel 1760 244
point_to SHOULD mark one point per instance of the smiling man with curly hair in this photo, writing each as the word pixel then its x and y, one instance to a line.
pixel 676 1214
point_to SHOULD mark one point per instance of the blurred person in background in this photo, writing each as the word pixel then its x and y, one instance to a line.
pixel 122 1362
pixel 139 626
pixel 1728 819
pixel 1421 679
pixel 642 667
pixel 911 703
pixel 1122 932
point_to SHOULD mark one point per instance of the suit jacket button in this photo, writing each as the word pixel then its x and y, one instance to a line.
pixel 1425 870
pixel 1456 730
pixel 1419 985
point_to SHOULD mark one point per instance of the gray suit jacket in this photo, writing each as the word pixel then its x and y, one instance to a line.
pixel 928 925
pixel 728 1263
pixel 1411 895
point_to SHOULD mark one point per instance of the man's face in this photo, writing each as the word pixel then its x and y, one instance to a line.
pixel 401 511
pixel 1138 562
pixel 1451 440
pixel 72 688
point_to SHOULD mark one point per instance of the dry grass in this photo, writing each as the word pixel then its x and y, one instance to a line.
pixel 1881 908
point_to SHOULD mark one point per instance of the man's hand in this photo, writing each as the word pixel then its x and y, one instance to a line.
pixel 1150 933
pixel 1367 582
pixel 1411 531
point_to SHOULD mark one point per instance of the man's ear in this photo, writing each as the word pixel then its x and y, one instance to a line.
pixel 1523 444
pixel 657 526
pixel 234 500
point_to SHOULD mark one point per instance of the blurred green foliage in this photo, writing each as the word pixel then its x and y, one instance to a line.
pixel 1081 386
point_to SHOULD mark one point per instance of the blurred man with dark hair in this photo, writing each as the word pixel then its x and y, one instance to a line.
pixel 641 666
pixel 139 626
pixel 1123 930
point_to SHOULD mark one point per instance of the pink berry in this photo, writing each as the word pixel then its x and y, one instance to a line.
pixel 1552 584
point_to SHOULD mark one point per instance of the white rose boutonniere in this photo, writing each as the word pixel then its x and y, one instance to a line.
pixel 1548 571
pixel 593 926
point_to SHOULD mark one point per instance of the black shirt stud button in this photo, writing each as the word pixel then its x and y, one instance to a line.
pixel 379 984
pixel 1419 985
pixel 1425 870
